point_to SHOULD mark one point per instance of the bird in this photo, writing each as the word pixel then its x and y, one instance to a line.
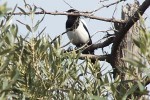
pixel 77 32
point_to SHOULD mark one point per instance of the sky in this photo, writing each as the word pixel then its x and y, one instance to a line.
pixel 55 25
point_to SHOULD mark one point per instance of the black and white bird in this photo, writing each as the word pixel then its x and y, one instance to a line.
pixel 78 32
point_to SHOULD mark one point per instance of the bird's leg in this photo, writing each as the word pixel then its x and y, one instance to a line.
pixel 78 47
pixel 70 48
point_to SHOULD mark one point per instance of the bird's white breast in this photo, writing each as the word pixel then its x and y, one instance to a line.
pixel 79 35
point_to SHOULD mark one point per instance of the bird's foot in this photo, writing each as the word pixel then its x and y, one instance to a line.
pixel 70 48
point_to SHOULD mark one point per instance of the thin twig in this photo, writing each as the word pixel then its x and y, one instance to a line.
pixel 65 44
pixel 21 22
pixel 106 6
pixel 68 4
pixel 94 57
pixel 58 36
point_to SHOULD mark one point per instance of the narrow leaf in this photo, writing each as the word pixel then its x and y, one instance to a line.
pixel 130 91
pixel 141 87
pixel 22 11
pixel 28 27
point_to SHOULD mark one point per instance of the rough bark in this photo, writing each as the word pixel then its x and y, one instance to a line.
pixel 119 41
pixel 125 50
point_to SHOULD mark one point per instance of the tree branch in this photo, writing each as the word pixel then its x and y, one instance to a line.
pixel 108 5
pixel 87 15
pixel 94 57
pixel 92 47
pixel 107 42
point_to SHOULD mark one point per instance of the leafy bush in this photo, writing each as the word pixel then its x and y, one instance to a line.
pixel 37 68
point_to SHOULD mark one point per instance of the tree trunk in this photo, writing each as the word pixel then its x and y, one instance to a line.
pixel 127 47
pixel 126 50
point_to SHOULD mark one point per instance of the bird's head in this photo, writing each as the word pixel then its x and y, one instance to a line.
pixel 72 10
pixel 72 16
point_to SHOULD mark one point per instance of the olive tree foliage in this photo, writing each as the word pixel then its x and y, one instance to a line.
pixel 37 68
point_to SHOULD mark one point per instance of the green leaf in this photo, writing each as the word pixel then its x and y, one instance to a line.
pixel 5 84
pixel 3 9
pixel 106 80
pixel 34 9
pixel 4 66
pixel 6 28
pixel 13 10
pixel 10 37
pixel 136 42
pixel 141 87
pixel 38 23
pixel 97 98
pixel 134 62
pixel 22 11
pixel 130 91
pixel 2 22
pixel 28 27
pixel 113 88
pixel 41 32
pixel 16 31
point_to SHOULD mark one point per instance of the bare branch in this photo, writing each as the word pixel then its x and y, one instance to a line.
pixel 58 37
pixel 91 47
pixel 87 15
pixel 107 42
pixel 68 4
pixel 94 57
pixel 107 5
pixel 21 22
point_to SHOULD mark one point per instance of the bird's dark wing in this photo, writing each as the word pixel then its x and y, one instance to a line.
pixel 90 41
pixel 69 24
pixel 72 24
